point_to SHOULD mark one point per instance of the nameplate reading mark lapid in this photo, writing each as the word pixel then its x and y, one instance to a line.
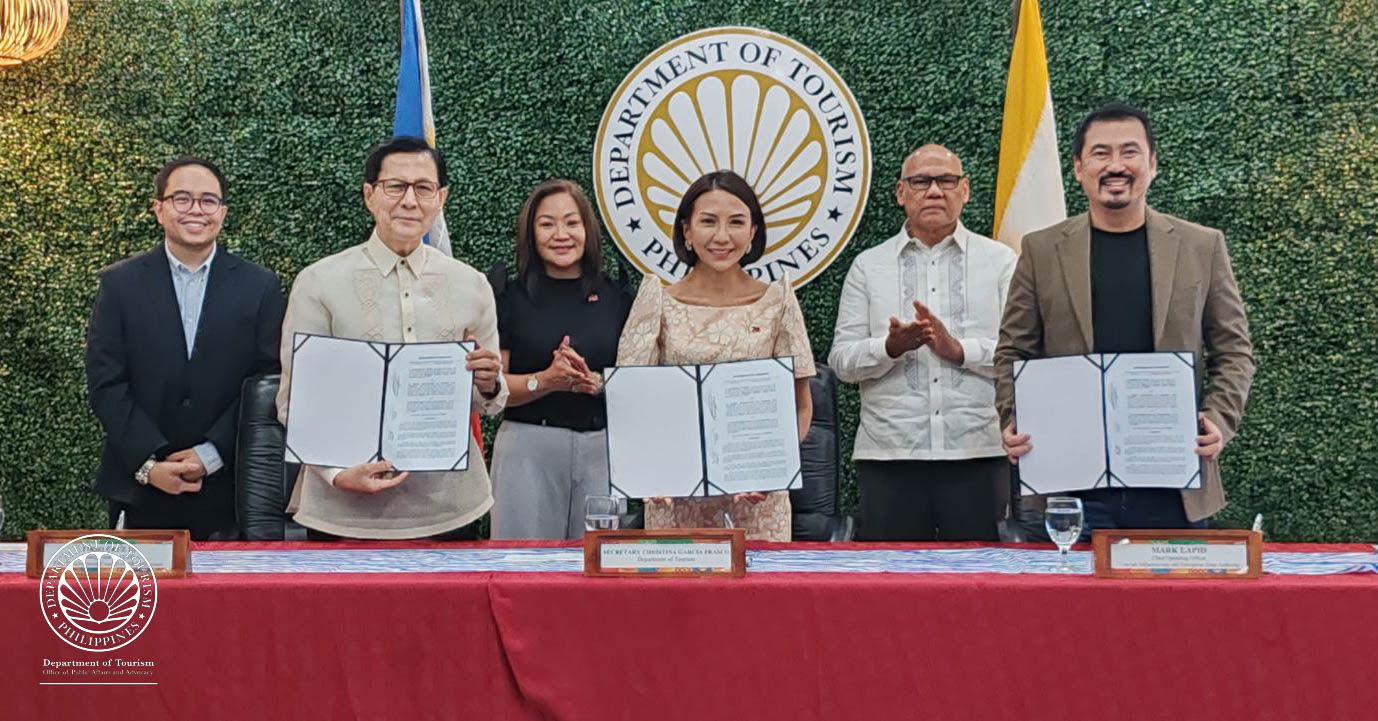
pixel 1178 554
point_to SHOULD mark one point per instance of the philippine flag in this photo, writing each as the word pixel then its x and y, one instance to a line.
pixel 413 114
pixel 413 117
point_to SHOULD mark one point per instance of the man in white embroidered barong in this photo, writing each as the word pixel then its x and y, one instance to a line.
pixel 394 288
pixel 916 330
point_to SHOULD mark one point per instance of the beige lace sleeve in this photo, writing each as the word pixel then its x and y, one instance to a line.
pixel 793 339
pixel 640 342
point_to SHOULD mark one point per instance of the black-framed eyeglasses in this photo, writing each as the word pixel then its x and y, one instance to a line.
pixel 393 188
pixel 922 182
pixel 182 202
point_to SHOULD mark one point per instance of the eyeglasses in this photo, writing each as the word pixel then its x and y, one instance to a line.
pixel 424 189
pixel 921 182
pixel 182 202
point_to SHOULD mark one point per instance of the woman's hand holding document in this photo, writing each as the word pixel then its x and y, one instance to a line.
pixel 706 430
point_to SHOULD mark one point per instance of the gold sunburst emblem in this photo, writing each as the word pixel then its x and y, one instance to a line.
pixel 742 99
pixel 742 120
pixel 30 28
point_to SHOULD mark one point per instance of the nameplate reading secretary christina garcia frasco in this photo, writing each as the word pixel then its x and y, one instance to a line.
pixel 742 99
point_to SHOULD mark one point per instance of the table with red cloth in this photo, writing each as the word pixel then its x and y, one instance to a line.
pixel 781 645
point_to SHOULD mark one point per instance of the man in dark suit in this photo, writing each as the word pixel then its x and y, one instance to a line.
pixel 1124 278
pixel 173 334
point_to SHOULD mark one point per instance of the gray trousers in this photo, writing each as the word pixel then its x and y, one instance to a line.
pixel 541 475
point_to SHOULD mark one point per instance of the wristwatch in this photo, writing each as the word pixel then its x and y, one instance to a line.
pixel 141 475
pixel 532 383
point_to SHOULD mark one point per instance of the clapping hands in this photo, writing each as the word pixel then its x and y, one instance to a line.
pixel 571 372
pixel 925 329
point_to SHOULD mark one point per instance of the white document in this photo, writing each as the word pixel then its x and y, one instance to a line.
pixel 1124 420
pixel 702 430
pixel 1151 412
pixel 426 411
pixel 332 406
pixel 355 402
pixel 653 430
pixel 1057 402
pixel 751 426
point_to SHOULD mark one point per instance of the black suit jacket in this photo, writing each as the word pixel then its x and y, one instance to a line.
pixel 152 400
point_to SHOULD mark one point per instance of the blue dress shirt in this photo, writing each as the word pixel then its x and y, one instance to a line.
pixel 190 287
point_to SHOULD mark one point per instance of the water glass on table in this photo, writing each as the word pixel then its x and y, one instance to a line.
pixel 1063 519
pixel 600 513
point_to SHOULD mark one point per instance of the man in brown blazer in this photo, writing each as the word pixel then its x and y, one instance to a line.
pixel 1124 278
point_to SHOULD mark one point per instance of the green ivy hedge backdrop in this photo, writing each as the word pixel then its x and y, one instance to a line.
pixel 1267 113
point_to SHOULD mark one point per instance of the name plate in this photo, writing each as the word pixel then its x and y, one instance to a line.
pixel 165 551
pixel 1178 554
pixel 670 553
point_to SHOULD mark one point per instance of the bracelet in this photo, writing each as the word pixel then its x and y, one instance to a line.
pixel 141 475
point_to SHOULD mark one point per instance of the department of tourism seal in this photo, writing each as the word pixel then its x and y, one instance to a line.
pixel 743 99
pixel 98 592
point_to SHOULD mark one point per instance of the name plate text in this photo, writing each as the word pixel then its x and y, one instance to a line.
pixel 681 552
pixel 1178 554
pixel 165 551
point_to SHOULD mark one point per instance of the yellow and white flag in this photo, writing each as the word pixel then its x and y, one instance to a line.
pixel 1028 187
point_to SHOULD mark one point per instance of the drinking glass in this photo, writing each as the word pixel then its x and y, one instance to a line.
pixel 1063 519
pixel 600 513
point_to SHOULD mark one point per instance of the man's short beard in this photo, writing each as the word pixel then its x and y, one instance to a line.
pixel 1117 204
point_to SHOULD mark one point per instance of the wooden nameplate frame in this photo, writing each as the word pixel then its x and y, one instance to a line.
pixel 666 553
pixel 165 550
pixel 1178 554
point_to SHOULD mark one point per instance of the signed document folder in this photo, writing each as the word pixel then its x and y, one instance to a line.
pixel 355 402
pixel 1108 420
pixel 702 430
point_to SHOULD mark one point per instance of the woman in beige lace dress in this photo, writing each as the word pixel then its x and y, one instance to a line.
pixel 719 313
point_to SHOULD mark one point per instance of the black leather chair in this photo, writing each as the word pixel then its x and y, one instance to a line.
pixel 263 482
pixel 815 506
